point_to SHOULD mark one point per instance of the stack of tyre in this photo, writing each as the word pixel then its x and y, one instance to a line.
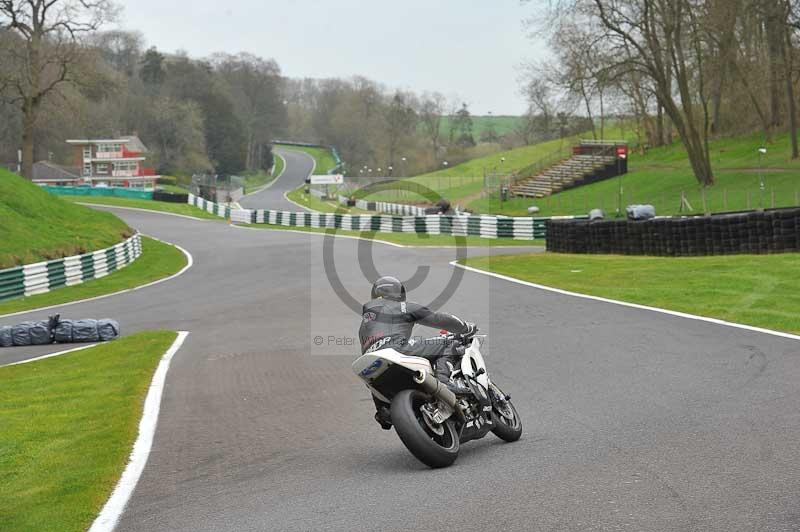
pixel 772 231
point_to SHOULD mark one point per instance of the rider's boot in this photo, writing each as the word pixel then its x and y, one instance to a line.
pixel 382 415
pixel 383 418
pixel 443 370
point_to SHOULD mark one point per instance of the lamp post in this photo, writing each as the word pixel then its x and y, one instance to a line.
pixel 403 170
pixel 761 185
pixel 621 154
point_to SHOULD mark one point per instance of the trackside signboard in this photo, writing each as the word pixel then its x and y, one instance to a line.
pixel 332 179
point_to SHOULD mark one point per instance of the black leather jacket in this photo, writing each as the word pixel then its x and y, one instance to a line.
pixel 387 323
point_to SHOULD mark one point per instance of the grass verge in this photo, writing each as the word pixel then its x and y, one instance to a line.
pixel 758 290
pixel 37 226
pixel 256 180
pixel 408 239
pixel 315 204
pixel 159 206
pixel 69 424
pixel 158 260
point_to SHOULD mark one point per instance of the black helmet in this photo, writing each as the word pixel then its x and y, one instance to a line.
pixel 389 288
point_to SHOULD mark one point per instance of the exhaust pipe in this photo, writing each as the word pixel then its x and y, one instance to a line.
pixel 437 388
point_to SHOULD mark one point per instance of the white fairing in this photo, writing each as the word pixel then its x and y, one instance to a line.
pixel 370 366
pixel 472 361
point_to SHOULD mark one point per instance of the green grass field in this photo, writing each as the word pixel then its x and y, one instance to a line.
pixel 69 424
pixel 159 206
pixel 660 176
pixel 322 157
pixel 158 260
pixel 502 125
pixel 759 290
pixel 409 239
pixel 36 226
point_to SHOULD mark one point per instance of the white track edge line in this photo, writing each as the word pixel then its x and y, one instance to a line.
pixel 675 313
pixel 147 210
pixel 107 520
pixel 189 264
pixel 49 355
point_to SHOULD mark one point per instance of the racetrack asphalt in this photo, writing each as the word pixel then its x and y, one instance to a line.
pixel 299 165
pixel 633 420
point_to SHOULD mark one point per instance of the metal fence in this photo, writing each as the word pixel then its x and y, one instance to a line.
pixel 217 188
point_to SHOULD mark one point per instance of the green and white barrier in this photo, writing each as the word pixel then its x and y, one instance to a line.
pixel 390 208
pixel 42 277
pixel 485 226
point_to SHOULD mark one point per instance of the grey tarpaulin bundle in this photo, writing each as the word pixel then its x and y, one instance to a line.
pixel 58 330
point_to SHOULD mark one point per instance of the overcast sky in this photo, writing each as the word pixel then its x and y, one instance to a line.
pixel 468 48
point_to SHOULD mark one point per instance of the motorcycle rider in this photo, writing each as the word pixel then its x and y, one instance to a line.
pixel 387 322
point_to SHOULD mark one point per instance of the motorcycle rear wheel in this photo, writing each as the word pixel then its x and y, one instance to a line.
pixel 430 447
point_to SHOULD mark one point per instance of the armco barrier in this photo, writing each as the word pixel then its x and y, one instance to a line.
pixel 45 276
pixel 522 228
pixel 116 192
pixel 772 231
pixel 390 208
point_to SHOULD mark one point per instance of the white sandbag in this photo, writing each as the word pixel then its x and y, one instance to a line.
pixel 107 330
pixel 85 331
pixel 641 212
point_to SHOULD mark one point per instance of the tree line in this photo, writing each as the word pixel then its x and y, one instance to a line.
pixel 691 69
pixel 62 77
pixel 394 132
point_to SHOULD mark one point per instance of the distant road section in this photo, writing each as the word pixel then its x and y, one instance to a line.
pixel 299 166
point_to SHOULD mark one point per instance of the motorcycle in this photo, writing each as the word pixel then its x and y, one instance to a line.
pixel 432 421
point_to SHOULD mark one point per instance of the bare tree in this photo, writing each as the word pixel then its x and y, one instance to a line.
pixel 669 44
pixel 42 48
pixel 430 114
pixel 400 119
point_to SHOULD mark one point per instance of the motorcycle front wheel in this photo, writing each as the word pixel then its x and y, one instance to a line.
pixel 507 425
pixel 435 445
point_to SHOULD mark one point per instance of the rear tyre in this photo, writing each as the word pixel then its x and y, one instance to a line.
pixel 506 421
pixel 433 445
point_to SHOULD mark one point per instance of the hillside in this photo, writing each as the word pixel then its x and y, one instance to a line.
pixel 36 226
pixel 463 183
pixel 660 176
pixel 503 125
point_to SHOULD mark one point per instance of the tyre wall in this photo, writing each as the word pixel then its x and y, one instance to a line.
pixel 772 231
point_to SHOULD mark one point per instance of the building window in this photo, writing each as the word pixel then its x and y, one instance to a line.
pixel 109 148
